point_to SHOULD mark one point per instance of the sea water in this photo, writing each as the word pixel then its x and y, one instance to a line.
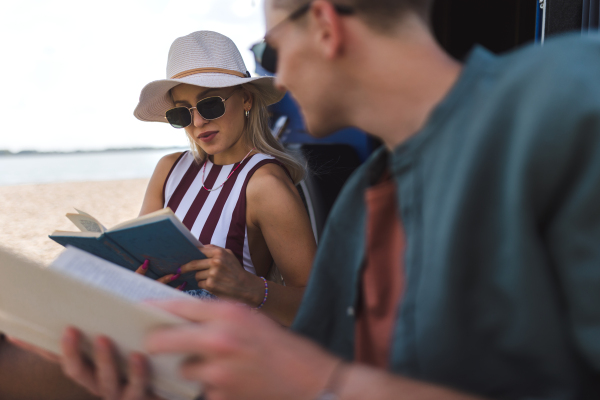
pixel 97 166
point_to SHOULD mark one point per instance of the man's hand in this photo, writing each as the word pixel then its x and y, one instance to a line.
pixel 239 354
pixel 103 379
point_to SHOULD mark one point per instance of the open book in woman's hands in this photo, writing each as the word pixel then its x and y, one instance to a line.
pixel 159 237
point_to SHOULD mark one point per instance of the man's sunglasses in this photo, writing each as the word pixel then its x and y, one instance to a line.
pixel 266 56
pixel 209 108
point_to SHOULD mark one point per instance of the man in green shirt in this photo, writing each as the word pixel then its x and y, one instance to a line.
pixel 496 165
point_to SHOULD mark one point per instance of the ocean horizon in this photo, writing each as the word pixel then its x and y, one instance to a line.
pixel 35 168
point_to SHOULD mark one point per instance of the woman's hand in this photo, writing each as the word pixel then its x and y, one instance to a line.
pixel 222 275
pixel 164 279
pixel 102 378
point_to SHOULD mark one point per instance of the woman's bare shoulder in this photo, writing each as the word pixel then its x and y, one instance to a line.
pixel 154 200
pixel 268 178
pixel 166 162
pixel 270 191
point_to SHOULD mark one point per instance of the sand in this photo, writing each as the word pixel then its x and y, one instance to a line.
pixel 29 213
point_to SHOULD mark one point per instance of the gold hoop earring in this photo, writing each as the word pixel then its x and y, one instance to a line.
pixel 247 113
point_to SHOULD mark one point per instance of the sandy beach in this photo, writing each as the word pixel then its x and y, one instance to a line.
pixel 30 213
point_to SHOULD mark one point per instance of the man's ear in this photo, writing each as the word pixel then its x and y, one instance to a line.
pixel 330 32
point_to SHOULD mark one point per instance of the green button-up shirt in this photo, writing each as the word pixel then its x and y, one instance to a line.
pixel 499 196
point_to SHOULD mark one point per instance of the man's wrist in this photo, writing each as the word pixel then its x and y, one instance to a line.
pixel 332 388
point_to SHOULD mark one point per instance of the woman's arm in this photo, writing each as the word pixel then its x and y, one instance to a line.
pixel 275 210
pixel 275 207
pixel 153 199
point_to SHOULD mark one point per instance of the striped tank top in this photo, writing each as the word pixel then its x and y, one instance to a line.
pixel 217 217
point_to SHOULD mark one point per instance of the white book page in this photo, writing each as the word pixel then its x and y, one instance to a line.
pixel 86 223
pixel 112 278
pixel 157 216
pixel 37 304
pixel 78 234
pixel 90 216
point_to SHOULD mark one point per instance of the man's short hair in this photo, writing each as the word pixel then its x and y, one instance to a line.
pixel 381 15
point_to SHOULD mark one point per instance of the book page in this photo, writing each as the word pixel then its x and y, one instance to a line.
pixel 37 304
pixel 142 220
pixel 87 215
pixel 113 278
pixel 165 213
pixel 86 223
pixel 77 234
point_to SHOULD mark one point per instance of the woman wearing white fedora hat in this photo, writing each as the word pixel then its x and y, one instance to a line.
pixel 235 188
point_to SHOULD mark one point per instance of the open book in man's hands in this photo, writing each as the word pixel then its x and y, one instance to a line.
pixel 78 289
pixel 159 237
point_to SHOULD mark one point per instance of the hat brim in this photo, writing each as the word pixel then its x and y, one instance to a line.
pixel 155 99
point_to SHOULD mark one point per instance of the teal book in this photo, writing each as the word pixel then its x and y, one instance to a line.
pixel 159 237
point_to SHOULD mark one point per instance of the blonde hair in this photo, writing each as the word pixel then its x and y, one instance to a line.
pixel 257 131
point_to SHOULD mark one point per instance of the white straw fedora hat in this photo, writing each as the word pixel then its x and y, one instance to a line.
pixel 202 58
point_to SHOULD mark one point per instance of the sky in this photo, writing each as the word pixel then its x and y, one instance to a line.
pixel 72 70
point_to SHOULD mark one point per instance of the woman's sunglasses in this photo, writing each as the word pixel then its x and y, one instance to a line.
pixel 266 56
pixel 209 108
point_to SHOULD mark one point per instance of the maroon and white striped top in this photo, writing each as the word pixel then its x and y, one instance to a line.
pixel 217 217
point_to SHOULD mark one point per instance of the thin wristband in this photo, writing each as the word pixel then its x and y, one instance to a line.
pixel 331 390
pixel 266 294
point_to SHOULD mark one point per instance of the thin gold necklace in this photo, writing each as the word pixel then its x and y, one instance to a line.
pixel 228 176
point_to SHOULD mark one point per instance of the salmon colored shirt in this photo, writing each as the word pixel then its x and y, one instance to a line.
pixel 382 281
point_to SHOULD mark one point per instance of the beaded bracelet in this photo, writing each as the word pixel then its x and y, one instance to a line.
pixel 266 294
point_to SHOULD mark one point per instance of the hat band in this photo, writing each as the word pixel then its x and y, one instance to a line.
pixel 208 70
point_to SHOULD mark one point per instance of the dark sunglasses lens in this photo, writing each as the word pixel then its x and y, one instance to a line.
pixel 211 108
pixel 179 117
pixel 266 56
